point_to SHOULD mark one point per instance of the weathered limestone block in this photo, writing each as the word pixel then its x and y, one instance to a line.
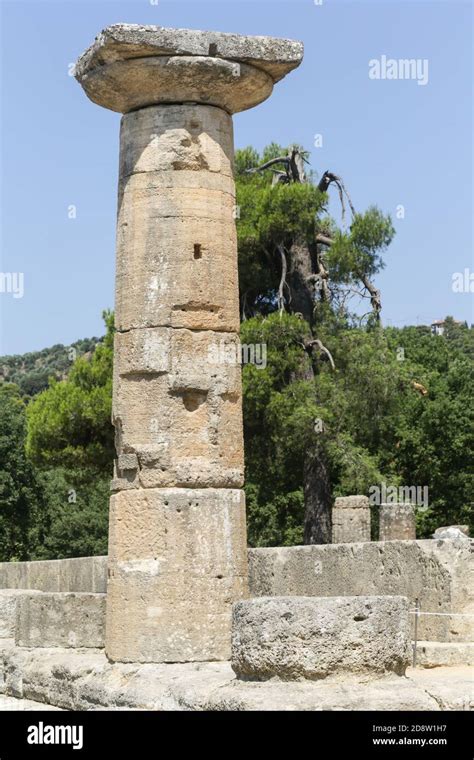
pixel 176 239
pixel 60 620
pixel 435 654
pixel 14 575
pixel 309 637
pixel 168 79
pixel 453 532
pixel 9 600
pixel 75 574
pixel 397 522
pixel 177 409
pixel 189 147
pixel 177 562
pixel 350 519
pixel 439 574
pixel 231 71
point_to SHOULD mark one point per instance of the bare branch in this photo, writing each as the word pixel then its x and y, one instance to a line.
pixel 316 342
pixel 375 298
pixel 279 160
pixel 294 167
pixel 324 239
pixel 284 269
pixel 327 178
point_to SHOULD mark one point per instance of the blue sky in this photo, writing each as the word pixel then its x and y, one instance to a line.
pixel 394 142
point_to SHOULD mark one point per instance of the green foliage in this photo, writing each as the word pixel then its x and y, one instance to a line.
pixel 74 517
pixel 70 440
pixel 32 371
pixel 377 427
pixel 435 433
pixel 69 423
pixel 18 487
pixel 359 251
pixel 282 404
pixel 270 215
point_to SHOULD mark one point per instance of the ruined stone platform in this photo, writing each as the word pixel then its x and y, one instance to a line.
pixel 85 680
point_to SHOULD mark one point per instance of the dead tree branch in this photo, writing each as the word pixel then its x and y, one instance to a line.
pixel 326 180
pixel 294 167
pixel 308 347
pixel 284 269
pixel 375 298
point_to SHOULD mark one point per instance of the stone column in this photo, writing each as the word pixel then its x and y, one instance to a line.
pixel 177 539
pixel 350 519
pixel 397 522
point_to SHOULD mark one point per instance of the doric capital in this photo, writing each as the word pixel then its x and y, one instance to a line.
pixel 131 66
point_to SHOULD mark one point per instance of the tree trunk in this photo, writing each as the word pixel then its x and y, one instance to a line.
pixel 317 497
pixel 302 266
pixel 300 277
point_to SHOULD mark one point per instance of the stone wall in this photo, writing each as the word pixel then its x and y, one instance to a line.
pixel 86 574
pixel 437 573
pixel 440 574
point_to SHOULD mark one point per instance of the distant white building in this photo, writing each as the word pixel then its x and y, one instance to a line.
pixel 437 327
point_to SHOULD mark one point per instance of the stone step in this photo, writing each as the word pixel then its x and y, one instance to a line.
pixel 9 599
pixel 13 704
pixel 54 619
pixel 434 654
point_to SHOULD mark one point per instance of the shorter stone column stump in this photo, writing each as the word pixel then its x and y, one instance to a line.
pixel 305 637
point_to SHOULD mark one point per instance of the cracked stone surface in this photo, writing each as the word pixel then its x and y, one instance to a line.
pixel 87 681
pixel 350 519
pixel 313 637
pixel 130 67
pixel 275 56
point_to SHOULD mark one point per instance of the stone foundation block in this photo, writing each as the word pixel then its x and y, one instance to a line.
pixel 9 600
pixel 437 574
pixel 350 519
pixel 397 522
pixel 435 654
pixel 178 561
pixel 293 638
pixel 60 620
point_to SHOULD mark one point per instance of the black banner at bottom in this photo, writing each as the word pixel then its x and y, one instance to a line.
pixel 136 734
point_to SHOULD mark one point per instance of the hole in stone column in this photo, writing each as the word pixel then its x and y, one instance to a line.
pixel 192 400
pixel 212 49
pixel 197 251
